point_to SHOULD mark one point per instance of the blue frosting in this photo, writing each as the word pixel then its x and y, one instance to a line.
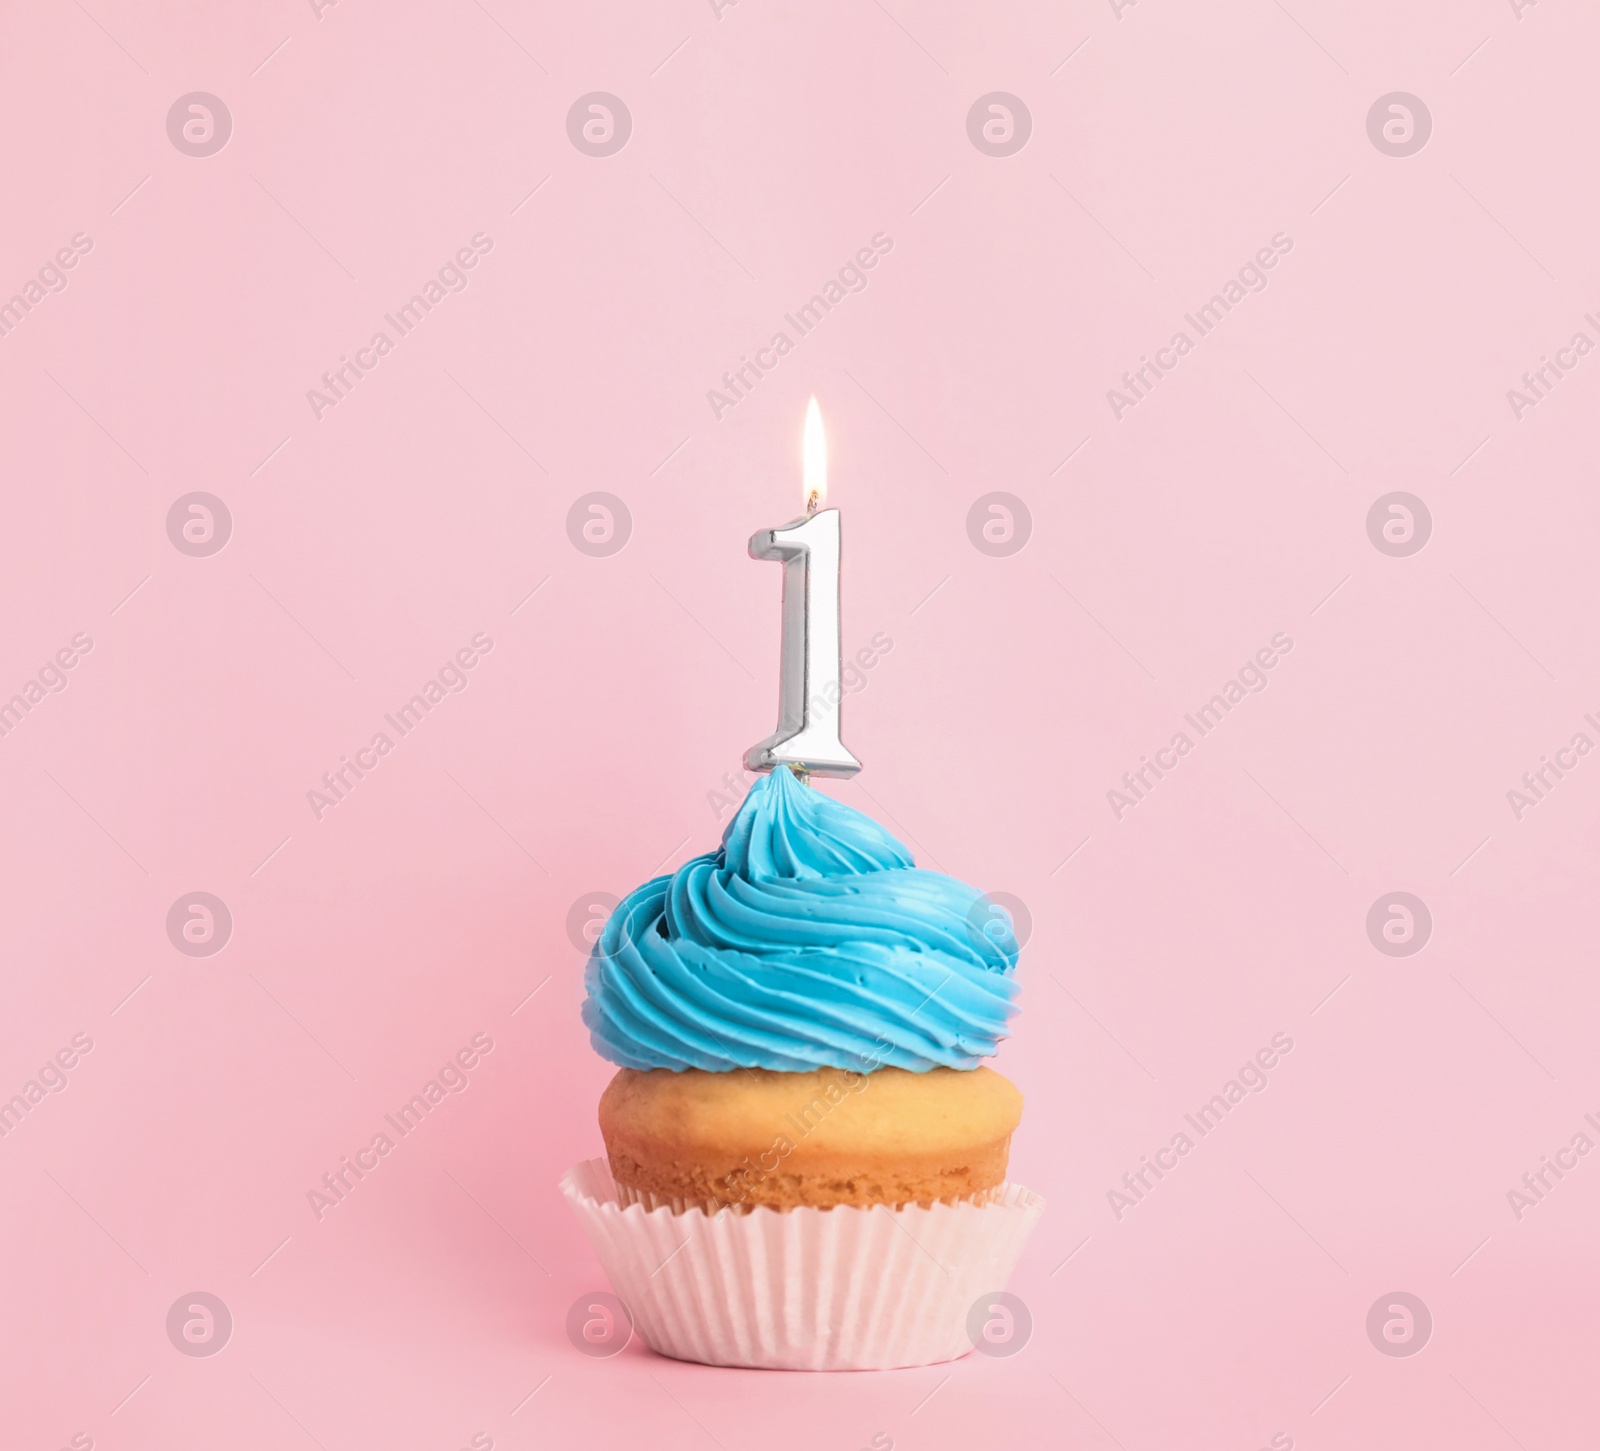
pixel 810 940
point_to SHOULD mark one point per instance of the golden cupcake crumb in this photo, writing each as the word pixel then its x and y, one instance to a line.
pixel 754 1137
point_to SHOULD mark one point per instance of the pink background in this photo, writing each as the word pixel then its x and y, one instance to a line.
pixel 769 143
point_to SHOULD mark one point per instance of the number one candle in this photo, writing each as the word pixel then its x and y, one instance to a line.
pixel 809 690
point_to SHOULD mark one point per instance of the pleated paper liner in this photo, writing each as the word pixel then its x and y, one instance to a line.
pixel 845 1288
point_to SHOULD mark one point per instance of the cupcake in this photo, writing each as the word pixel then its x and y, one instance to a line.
pixel 806 1160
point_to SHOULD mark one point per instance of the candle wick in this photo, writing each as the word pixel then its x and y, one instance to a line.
pixel 812 502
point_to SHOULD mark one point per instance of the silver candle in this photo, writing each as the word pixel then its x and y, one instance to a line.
pixel 809 688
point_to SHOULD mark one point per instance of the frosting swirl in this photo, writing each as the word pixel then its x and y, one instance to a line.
pixel 810 940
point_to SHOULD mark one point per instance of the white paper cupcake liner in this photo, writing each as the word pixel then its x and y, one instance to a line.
pixel 803 1289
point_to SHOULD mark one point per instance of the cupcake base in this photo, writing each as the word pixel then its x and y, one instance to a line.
pixel 824 1137
pixel 846 1288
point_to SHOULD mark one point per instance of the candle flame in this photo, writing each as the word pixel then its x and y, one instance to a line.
pixel 815 454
